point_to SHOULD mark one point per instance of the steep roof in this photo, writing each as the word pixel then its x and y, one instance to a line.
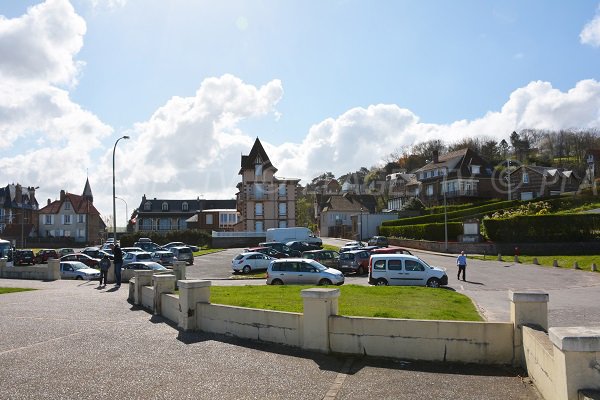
pixel 87 190
pixel 80 204
pixel 449 160
pixel 257 155
pixel 175 206
pixel 349 202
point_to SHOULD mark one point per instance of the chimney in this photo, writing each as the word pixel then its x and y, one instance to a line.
pixel 62 195
pixel 436 156
pixel 49 202
pixel 19 194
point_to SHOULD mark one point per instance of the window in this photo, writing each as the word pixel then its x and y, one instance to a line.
pixel 81 218
pixel 475 169
pixel 395 265
pixel 379 265
pixel 258 209
pixel 81 233
pixel 412 265
pixel 66 219
pixel 147 206
pixel 209 219
pixel 258 226
pixel 429 190
pixel 165 206
pixel 282 189
pixel 258 170
pixel 48 219
pixel 282 224
pixel 67 205
pixel 184 206
pixel 164 224
pixel 259 191
pixel 525 177
pixel 282 209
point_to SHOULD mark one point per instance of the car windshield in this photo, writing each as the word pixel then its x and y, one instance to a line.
pixel 78 265
pixel 425 264
pixel 319 267
pixel 346 256
pixel 143 256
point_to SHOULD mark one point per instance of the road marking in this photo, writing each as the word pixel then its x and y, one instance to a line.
pixel 334 389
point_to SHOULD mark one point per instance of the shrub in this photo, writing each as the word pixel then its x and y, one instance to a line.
pixel 544 228
pixel 434 232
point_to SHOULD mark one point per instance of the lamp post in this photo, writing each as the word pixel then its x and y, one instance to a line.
pixel 114 197
pixel 126 209
pixel 360 231
pixel 445 189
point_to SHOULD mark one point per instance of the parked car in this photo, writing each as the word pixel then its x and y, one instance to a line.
pixel 168 246
pixel 77 270
pixel 380 241
pixel 95 252
pixel 42 256
pixel 64 251
pixel 131 249
pixel 163 257
pixel 23 257
pixel 148 245
pixel 352 246
pixel 302 246
pixel 282 248
pixel 402 269
pixel 127 271
pixel 82 258
pixel 390 250
pixel 136 256
pixel 268 251
pixel 302 271
pixel 183 253
pixel 252 261
pixel 328 258
pixel 356 261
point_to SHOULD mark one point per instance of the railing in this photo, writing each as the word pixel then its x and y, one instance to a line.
pixel 238 234
pixel 464 192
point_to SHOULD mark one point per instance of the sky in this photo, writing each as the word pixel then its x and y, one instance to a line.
pixel 325 85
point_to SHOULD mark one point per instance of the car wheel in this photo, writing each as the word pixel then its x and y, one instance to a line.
pixel 381 282
pixel 324 282
pixel 246 269
pixel 360 270
pixel 276 282
pixel 433 282
pixel 78 277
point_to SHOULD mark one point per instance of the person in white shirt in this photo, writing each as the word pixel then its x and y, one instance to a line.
pixel 461 261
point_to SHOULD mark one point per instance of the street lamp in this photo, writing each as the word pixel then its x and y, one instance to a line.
pixel 126 212
pixel 114 197
pixel 360 231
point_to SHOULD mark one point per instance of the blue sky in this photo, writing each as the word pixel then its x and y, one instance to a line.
pixel 194 82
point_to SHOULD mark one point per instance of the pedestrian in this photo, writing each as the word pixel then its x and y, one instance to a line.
pixel 104 267
pixel 461 261
pixel 118 261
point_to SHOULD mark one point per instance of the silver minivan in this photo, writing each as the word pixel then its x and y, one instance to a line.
pixel 183 253
pixel 406 270
pixel 302 271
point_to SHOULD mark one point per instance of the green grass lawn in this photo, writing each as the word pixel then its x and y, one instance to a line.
pixel 4 290
pixel 330 247
pixel 585 262
pixel 355 300
pixel 202 252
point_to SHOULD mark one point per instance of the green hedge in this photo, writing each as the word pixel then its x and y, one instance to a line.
pixel 439 218
pixel 458 207
pixel 433 232
pixel 189 236
pixel 544 228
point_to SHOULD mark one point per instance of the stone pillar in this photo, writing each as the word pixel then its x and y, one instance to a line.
pixel 162 284
pixel 179 269
pixel 2 267
pixel 110 276
pixel 319 304
pixel 53 270
pixel 577 359
pixel 191 292
pixel 131 286
pixel 142 278
pixel 526 308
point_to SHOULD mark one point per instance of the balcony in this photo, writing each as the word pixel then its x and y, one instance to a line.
pixel 462 193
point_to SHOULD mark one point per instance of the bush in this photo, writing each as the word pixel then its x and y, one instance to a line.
pixel 544 228
pixel 434 232
pixel 189 236
pixel 457 207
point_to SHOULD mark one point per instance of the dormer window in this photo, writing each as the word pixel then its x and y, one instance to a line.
pixel 475 169
pixel 147 206
pixel 184 206
pixel 67 205
pixel 165 206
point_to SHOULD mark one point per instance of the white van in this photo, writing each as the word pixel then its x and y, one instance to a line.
pixel 299 233
pixel 405 270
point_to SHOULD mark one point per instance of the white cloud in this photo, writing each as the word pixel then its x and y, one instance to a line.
pixel 110 4
pixel 591 32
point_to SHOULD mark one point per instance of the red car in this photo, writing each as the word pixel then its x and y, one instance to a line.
pixel 43 255
pixel 84 258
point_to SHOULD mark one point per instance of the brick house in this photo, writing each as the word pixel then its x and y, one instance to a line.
pixel 400 187
pixel 72 216
pixel 18 213
pixel 529 182
pixel 264 200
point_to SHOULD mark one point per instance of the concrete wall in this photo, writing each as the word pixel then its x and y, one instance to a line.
pixel 473 342
pixel 148 297
pixel 170 307
pixel 49 271
pixel 539 356
pixel 233 242
pixel 268 326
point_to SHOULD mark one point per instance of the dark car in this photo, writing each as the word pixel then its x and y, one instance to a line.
pixel 43 255
pixel 380 241
pixel 268 251
pixel 83 258
pixel 328 258
pixel 23 257
pixel 282 248
pixel 355 261
pixel 95 252
pixel 302 246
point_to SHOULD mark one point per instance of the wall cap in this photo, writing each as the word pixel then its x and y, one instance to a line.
pixel 192 283
pixel 165 277
pixel 533 296
pixel 580 338
pixel 318 293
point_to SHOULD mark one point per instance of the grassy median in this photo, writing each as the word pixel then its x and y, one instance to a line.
pixel 357 300
pixel 4 290
pixel 585 261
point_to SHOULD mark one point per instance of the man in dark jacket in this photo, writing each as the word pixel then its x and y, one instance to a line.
pixel 118 261
pixel 104 267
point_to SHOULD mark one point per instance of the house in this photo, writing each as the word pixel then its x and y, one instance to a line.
pixel 324 186
pixel 459 176
pixel 18 213
pixel 263 199
pixel 221 220
pixel 377 184
pixel 400 187
pixel 72 216
pixel 353 183
pixel 335 212
pixel 592 165
pixel 164 215
pixel 530 181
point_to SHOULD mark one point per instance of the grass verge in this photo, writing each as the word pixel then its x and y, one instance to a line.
pixel 4 290
pixel 585 262
pixel 202 252
pixel 356 300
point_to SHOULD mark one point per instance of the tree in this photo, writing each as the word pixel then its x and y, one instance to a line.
pixel 325 176
pixel 426 149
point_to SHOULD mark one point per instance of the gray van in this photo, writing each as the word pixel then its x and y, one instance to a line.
pixel 183 253
pixel 302 271
pixel 405 270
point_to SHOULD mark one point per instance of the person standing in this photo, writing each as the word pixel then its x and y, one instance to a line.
pixel 118 260
pixel 104 267
pixel 461 261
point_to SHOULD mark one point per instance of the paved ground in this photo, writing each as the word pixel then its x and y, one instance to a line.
pixel 70 340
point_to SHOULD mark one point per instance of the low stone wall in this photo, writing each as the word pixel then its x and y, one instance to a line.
pixel 473 342
pixel 170 307
pixel 148 297
pixel 43 272
pixel 232 242
pixel 539 356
